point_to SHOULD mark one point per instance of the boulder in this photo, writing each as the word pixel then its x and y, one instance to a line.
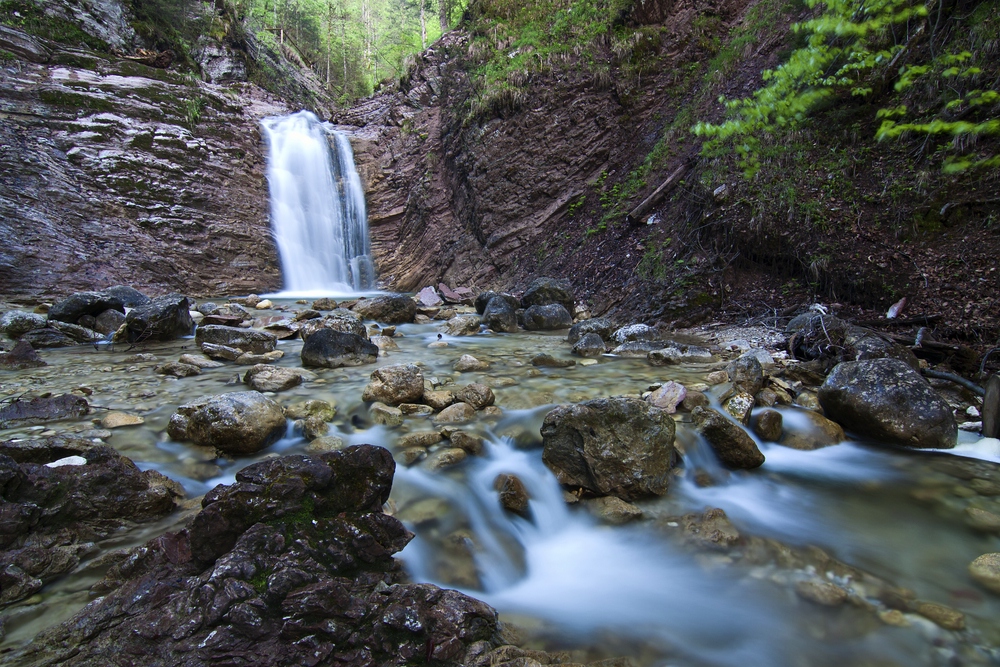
pixel 331 349
pixel 392 385
pixel 264 377
pixel 635 332
pixel 178 369
pixel 313 407
pixel 290 565
pixel 821 432
pixel 734 447
pixel 885 399
pixel 477 395
pixel 163 318
pixel 127 296
pixel 746 374
pixel 20 357
pixel 483 299
pixel 439 400
pixel 47 337
pixel 324 304
pixel 499 315
pixel 221 352
pixel 16 323
pixel 340 320
pixel 768 425
pixel 456 413
pixel 462 325
pixel 237 424
pixel 467 363
pixel 79 334
pixel 637 348
pixel 247 340
pixel 75 306
pixel 545 291
pixel 108 322
pixel 388 308
pixel 611 446
pixel 547 318
pixel 676 353
pixel 200 361
pixel 41 409
pixel 428 297
pixel 598 325
pixel 591 345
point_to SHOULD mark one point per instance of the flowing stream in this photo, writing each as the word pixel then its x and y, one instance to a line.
pixel 873 520
pixel 318 213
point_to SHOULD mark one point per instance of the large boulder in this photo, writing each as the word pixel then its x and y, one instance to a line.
pixel 617 446
pixel 591 345
pixel 392 385
pixel 485 297
pixel 41 409
pixel 547 318
pixel 16 323
pixel 543 291
pixel 731 444
pixel 239 423
pixel 253 341
pixel 75 306
pixel 885 399
pixel 341 320
pixel 290 565
pixel 331 349
pixel 388 309
pixel 47 337
pixel 597 325
pixel 163 318
pixel 462 325
pixel 499 315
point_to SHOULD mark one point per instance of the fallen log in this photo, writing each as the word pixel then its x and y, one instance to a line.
pixel 652 200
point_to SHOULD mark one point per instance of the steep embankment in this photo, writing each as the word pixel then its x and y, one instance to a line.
pixel 114 171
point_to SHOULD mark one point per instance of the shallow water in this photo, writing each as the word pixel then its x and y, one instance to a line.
pixel 869 518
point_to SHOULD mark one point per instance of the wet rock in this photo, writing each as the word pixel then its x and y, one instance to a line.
pixel 711 530
pixel 163 318
pixel 887 400
pixel 225 352
pixel 458 295
pixel 16 323
pixel 75 306
pixel 820 433
pixel 635 332
pixel 78 333
pixel 385 415
pixel 119 419
pixel 739 406
pixel 598 325
pixel 446 458
pixel 324 304
pixel 247 340
pixel 428 297
pixel 251 359
pixel 613 510
pixel 199 361
pixel 513 494
pixel 717 377
pixel 462 325
pixel 20 357
pixel 477 395
pixel 981 520
pixel 421 439
pixel 546 291
pixel 668 396
pixel 728 440
pixel 484 298
pixel 263 304
pixel 384 343
pixel 590 345
pixel 313 428
pixel 412 455
pixel 47 337
pixel 547 360
pixel 177 369
pixel 416 410
pixel 944 616
pixel 108 322
pixel 499 315
pixel 808 400
pixel 768 425
pixel 471 443
pixel 547 318
pixel 291 562
pixel 986 571
pixel 467 363
pixel 610 446
pixel 694 399
pixel 390 309
pixel 326 443
pixel 637 348
pixel 128 297
pixel 237 424
pixel 340 320
pixel 311 408
pixel 38 410
pixel 392 385
pixel 263 377
pixel 331 349
pixel 439 400
pixel 747 375
pixel 53 514
pixel 865 344
pixel 821 592
pixel 457 413
pixel 762 356
pixel 673 354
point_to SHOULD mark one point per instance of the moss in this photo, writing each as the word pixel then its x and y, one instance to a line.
pixel 32 20
pixel 74 100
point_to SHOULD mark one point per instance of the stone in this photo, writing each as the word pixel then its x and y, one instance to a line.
pixel 392 385
pixel 613 510
pixel 598 325
pixel 944 616
pixel 470 442
pixel 47 337
pixel 694 399
pixel 484 298
pixel 420 439
pixel 545 291
pixel 75 306
pixel 728 440
pixel 886 400
pixel 20 357
pixel 668 396
pixel 675 353
pixel 462 325
pixel 739 406
pixel 611 446
pixel 821 432
pixel 590 345
pixel 177 369
pixel 716 377
pixel 384 343
pixel 340 320
pixel 38 410
pixel 635 332
pixel 312 408
pixel 428 297
pixel 457 295
pixel 263 377
pixel 746 374
pixel 327 443
pixel 389 308
pixel 264 304
pixel 332 349
pixel 324 304
pixel 313 427
pixel 440 399
pixel 119 419
pixel 767 425
pixel 200 362
pixel 547 318
pixel 108 322
pixel 251 359
pixel 762 356
pixel 499 315
pixel 412 455
pixel 16 323
pixel 246 340
pixel 983 521
pixel 237 423
pixel 416 410
pixel 547 360
pixel 467 363
pixel 213 351
pixel 477 395
pixel 808 400
pixel 821 592
pixel 636 349
pixel 163 318
pixel 457 413
pixel 78 333
pixel 513 494
pixel 986 571
pixel 385 415
pixel 446 458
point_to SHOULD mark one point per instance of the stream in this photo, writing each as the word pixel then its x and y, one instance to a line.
pixel 878 521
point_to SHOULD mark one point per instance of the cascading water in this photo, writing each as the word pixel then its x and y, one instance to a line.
pixel 318 214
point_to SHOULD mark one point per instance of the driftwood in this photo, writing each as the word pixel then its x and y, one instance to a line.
pixel 658 194
pixel 957 379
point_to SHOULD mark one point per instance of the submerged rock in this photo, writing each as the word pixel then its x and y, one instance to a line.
pixel 331 349
pixel 611 446
pixel 392 385
pixel 263 377
pixel 238 423
pixel 885 399
pixel 462 325
pixel 467 363
pixel 247 340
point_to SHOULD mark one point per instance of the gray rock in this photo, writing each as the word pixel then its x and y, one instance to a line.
pixel 109 322
pixel 47 337
pixel 545 291
pixel 20 357
pixel 637 348
pixel 340 320
pixel 456 413
pixel 499 315
pixel 484 299
pixel 462 325
pixel 668 396
pixel 163 318
pixel 746 374
pixel 728 440
pixel 237 424
pixel 467 363
pixel 631 332
pixel 23 45
pixel 247 340
pixel 221 352
pixel 598 325
pixel 611 446
pixel 79 334
pixel 264 377
pixel 331 349
pixel 178 369
pixel 392 385
pixel 547 318
pixel 428 297
pixel 16 323
pixel 547 360
pixel 75 306
pixel 38 410
pixel 199 361
pixel 675 354
pixel 477 395
pixel 389 308
pixel 324 304
pixel 590 345
pixel 886 400
pixel 385 415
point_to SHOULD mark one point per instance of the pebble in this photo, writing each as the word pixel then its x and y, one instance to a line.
pixel 946 617
pixel 981 520
pixel 986 570
pixel 120 419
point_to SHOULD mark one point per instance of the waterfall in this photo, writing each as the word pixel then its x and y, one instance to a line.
pixel 318 214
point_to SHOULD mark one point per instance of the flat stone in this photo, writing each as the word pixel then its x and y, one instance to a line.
pixel 547 360
pixel 445 458
pixel 458 413
pixel 385 414
pixel 420 439
pixel 440 399
pixel 177 369
pixel 250 359
pixel 471 443
pixel 416 410
pixel 200 362
pixel 120 419
pixel 946 617
pixel 668 396
pixel 477 395
pixel 986 571
pixel 329 443
pixel 981 520
pixel 821 592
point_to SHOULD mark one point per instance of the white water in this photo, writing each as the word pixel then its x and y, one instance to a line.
pixel 318 214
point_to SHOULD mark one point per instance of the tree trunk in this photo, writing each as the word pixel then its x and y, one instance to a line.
pixel 423 25
pixel 443 15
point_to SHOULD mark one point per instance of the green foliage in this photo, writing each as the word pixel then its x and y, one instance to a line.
pixel 25 15
pixel 192 110
pixel 653 266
